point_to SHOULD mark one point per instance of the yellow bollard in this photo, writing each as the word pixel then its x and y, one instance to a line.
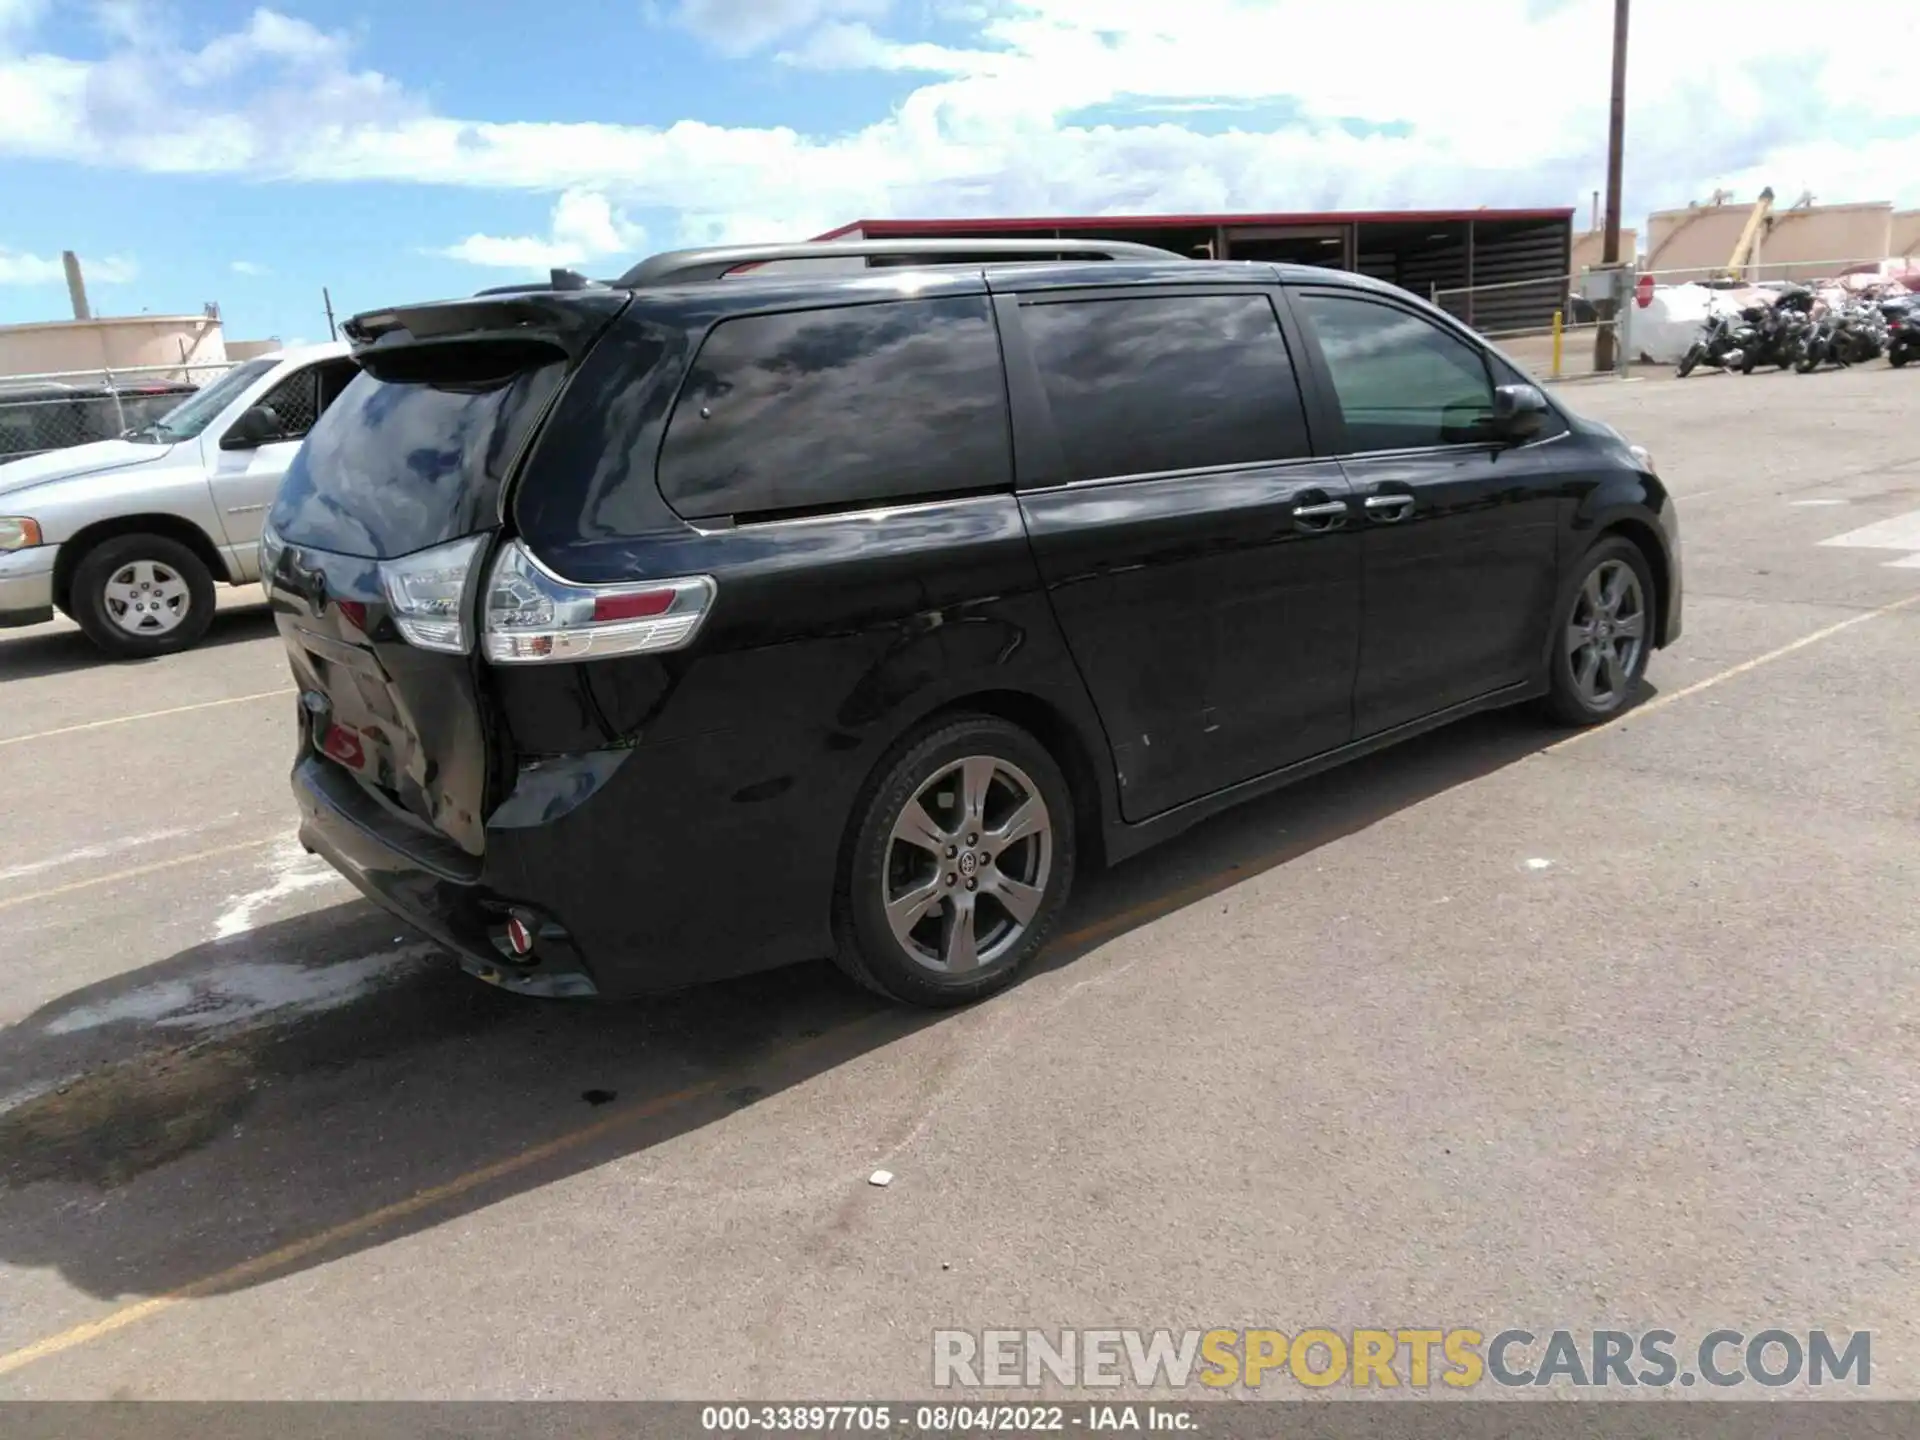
pixel 1556 345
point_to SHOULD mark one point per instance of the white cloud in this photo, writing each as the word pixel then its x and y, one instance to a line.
pixel 1054 106
pixel 585 226
pixel 18 267
pixel 739 27
pixel 248 267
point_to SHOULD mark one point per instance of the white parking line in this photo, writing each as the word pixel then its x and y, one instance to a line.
pixel 147 715
pixel 1901 532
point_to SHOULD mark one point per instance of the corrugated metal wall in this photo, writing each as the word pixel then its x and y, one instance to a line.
pixel 1527 262
pixel 1539 255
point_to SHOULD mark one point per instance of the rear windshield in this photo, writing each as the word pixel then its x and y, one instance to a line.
pixel 397 465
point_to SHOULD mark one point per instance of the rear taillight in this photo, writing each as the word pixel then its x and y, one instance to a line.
pixel 427 591
pixel 528 614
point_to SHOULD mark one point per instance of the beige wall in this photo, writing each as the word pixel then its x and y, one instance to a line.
pixel 1588 248
pixel 238 350
pixel 119 344
pixel 1793 245
pixel 1906 234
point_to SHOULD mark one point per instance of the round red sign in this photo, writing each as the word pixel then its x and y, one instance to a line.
pixel 1643 291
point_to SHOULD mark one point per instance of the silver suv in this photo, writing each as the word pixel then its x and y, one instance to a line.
pixel 128 536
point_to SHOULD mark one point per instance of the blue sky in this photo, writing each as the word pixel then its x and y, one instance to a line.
pixel 209 150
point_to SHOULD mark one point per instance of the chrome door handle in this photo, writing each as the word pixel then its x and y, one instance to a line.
pixel 1388 508
pixel 1329 515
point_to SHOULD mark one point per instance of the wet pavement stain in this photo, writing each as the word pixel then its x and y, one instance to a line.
pixel 108 1127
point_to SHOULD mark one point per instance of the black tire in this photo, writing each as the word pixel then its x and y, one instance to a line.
pixel 866 946
pixel 1896 356
pixel 112 558
pixel 1749 359
pixel 1810 360
pixel 1690 359
pixel 1566 702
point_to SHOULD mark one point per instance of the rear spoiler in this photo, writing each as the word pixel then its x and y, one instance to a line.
pixel 569 320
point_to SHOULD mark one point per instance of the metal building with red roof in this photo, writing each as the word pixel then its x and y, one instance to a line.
pixel 1497 269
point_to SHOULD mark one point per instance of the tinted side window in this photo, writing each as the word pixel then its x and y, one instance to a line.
pixel 1402 381
pixel 296 400
pixel 1166 382
pixel 303 396
pixel 845 406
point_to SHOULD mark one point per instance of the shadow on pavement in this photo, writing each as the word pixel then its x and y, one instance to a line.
pixel 62 651
pixel 171 1160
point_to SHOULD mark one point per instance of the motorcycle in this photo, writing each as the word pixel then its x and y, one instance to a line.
pixel 1803 307
pixel 1816 345
pixel 1722 344
pixel 1777 331
pixel 1859 336
pixel 1902 317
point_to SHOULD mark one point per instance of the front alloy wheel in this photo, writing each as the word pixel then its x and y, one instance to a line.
pixel 1604 635
pixel 961 858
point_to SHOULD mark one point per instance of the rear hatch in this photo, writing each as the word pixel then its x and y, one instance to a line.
pixel 377 540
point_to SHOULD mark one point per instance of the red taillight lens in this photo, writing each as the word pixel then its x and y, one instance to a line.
pixel 632 607
pixel 354 613
pixel 530 614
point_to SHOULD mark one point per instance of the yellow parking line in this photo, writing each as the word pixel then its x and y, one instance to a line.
pixel 147 715
pixel 421 1200
pixel 1661 701
pixel 246 1270
pixel 135 873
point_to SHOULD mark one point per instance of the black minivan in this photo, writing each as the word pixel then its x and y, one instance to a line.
pixel 725 615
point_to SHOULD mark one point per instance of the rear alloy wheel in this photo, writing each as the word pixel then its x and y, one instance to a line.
pixel 138 596
pixel 963 858
pixel 1603 635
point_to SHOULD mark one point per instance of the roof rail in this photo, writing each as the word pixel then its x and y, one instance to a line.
pixel 712 263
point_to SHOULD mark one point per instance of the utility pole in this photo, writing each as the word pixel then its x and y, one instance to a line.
pixel 327 300
pixel 1603 338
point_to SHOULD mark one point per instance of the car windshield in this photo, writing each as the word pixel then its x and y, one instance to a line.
pixel 194 414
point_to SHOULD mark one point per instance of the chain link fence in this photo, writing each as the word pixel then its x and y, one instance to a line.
pixel 1566 347
pixel 1771 272
pixel 53 411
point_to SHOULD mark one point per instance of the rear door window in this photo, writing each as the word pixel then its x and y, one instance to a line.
pixel 1402 381
pixel 1147 384
pixel 837 408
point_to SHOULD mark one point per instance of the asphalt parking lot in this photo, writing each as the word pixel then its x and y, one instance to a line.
pixel 1500 1028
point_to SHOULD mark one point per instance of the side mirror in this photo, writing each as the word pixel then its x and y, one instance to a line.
pixel 255 427
pixel 1519 412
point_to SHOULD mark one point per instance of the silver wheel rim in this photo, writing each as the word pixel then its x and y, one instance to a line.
pixel 146 597
pixel 1606 633
pixel 967 865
